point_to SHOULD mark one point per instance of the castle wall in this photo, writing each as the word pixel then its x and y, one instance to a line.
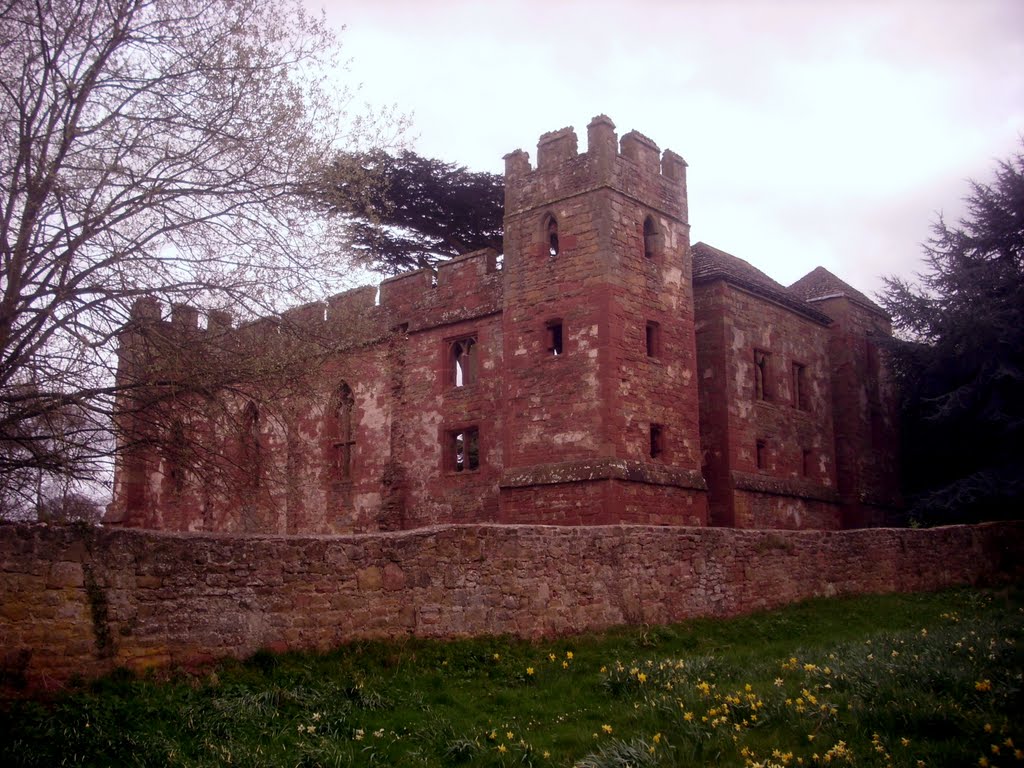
pixel 771 461
pixel 79 602
pixel 866 411
pixel 586 381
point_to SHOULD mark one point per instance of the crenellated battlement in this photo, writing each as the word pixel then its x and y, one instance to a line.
pixel 466 286
pixel 635 165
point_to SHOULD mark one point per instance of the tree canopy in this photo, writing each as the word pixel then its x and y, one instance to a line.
pixel 149 147
pixel 407 211
pixel 961 362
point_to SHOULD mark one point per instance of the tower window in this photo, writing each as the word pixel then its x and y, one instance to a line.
pixel 799 387
pixel 653 339
pixel 463 450
pixel 805 462
pixel 650 238
pixel 761 452
pixel 762 378
pixel 657 440
pixel 553 331
pixel 462 362
pixel 551 235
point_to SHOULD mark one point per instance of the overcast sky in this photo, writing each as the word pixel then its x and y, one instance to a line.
pixel 817 132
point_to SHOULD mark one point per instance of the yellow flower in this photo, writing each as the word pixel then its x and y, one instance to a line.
pixel 565 665
pixel 642 677
pixel 995 749
pixel 509 735
pixel 492 735
pixel 603 669
pixel 551 657
pixel 657 738
pixel 779 682
pixel 568 655
pixel 905 741
pixel 606 728
pixel 810 737
pixel 983 685
pixel 497 657
pixel 547 755
pixel 502 748
pixel 688 716
pixel 983 762
pixel 988 727
pixel 529 670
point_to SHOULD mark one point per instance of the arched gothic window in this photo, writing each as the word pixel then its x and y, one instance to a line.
pixel 650 238
pixel 342 432
pixel 551 234
pixel 249 443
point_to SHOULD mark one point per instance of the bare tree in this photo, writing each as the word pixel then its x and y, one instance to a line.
pixel 149 147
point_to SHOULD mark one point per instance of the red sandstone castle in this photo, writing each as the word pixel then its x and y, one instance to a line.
pixel 604 371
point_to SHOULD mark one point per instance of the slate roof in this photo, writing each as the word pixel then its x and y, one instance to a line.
pixel 819 284
pixel 711 264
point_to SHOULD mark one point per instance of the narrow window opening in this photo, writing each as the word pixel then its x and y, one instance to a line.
pixel 650 238
pixel 653 337
pixel 250 443
pixel 762 382
pixel 464 449
pixel 799 387
pixel 552 236
pixel 805 463
pixel 554 338
pixel 175 457
pixel 762 454
pixel 657 440
pixel 343 437
pixel 462 354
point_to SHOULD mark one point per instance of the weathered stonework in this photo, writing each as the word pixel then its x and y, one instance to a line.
pixel 79 602
pixel 605 372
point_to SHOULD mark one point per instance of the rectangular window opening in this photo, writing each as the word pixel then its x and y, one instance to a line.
pixel 464 449
pixel 657 440
pixel 653 339
pixel 762 454
pixel 805 463
pixel 555 346
pixel 799 387
pixel 762 375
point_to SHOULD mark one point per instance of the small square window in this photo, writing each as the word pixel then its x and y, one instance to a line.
pixel 463 450
pixel 553 332
pixel 657 440
pixel 653 339
pixel 462 362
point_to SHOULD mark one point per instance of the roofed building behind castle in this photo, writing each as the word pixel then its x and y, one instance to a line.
pixel 605 373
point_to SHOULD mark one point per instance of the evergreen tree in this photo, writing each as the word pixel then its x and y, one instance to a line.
pixel 409 212
pixel 961 360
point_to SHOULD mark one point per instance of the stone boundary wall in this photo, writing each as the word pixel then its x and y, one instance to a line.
pixel 80 601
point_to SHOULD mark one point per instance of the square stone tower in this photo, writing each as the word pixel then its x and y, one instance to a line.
pixel 600 401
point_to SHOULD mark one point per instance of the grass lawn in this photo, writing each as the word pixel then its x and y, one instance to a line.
pixel 900 680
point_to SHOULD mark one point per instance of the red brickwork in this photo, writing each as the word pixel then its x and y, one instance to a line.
pixel 78 602
pixel 604 372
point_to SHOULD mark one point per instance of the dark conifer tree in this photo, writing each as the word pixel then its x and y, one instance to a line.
pixel 409 212
pixel 961 359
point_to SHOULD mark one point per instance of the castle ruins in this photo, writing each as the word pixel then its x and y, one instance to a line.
pixel 601 371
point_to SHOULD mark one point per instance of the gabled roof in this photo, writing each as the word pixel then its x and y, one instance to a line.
pixel 820 284
pixel 711 264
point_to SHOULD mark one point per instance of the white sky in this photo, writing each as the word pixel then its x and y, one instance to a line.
pixel 817 132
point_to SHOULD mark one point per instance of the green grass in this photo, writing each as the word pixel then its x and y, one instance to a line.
pixel 871 681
